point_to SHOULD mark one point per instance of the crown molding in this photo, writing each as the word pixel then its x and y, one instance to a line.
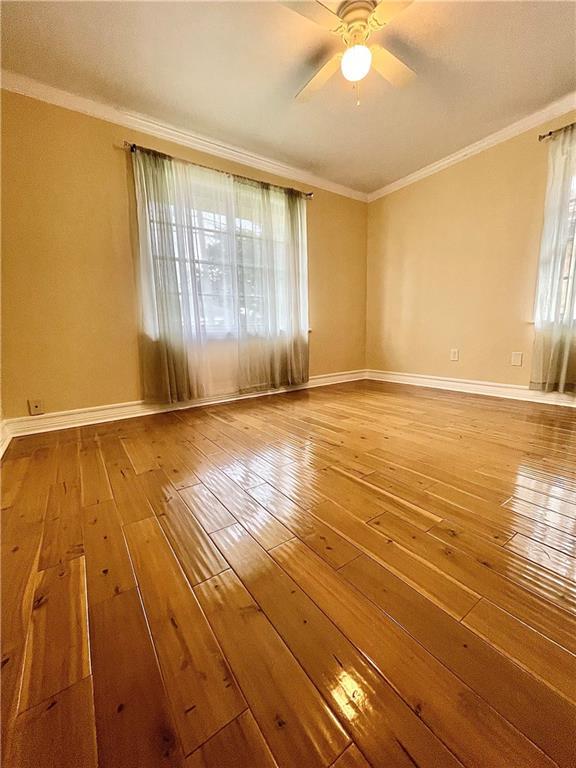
pixel 555 109
pixel 26 86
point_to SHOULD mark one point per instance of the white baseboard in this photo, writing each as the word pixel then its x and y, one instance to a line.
pixel 489 388
pixel 80 417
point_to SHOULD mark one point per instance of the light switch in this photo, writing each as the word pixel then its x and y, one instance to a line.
pixel 454 355
pixel 516 358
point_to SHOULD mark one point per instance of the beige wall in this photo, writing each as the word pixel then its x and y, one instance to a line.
pixel 69 309
pixel 452 262
pixel 449 261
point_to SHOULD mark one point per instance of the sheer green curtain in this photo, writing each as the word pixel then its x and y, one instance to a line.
pixel 223 281
pixel 554 358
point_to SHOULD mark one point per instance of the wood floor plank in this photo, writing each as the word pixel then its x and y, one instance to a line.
pixel 112 447
pixel 241 474
pixel 467 481
pixel 548 557
pixel 134 725
pixel 196 451
pixel 108 566
pixel 565 505
pixel 210 513
pixel 438 541
pixel 396 472
pixel 469 727
pixel 448 594
pixel 68 460
pixel 140 453
pixel 94 483
pixel 544 616
pixel 129 496
pixel 474 660
pixel 382 725
pixel 530 575
pixel 12 476
pixel 553 519
pixel 29 505
pixel 168 458
pixel 239 745
pixel 483 518
pixel 202 690
pixel 59 731
pixel 359 500
pixel 297 724
pixel 318 536
pixel 158 489
pixel 57 654
pixel 20 542
pixel 351 758
pixel 544 534
pixel 26 446
pixel 554 487
pixel 261 524
pixel 421 518
pixel 546 660
pixel 198 556
pixel 62 538
pixel 289 480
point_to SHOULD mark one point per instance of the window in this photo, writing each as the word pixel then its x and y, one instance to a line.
pixel 557 276
pixel 226 262
pixel 222 259
pixel 567 269
pixel 554 359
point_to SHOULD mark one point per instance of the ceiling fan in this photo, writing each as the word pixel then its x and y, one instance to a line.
pixel 354 22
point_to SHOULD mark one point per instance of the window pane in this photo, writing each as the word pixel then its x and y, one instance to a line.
pixel 227 265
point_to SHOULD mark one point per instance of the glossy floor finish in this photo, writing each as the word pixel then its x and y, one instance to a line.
pixel 359 575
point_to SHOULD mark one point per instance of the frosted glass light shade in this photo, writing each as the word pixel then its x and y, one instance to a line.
pixel 356 62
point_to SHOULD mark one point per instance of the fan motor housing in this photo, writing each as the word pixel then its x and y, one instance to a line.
pixel 353 11
pixel 354 15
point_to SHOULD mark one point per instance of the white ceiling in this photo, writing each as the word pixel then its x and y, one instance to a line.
pixel 230 71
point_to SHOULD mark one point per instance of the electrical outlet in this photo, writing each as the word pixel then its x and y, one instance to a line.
pixel 516 358
pixel 35 407
pixel 454 355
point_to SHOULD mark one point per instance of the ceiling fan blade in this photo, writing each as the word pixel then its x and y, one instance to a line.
pixel 320 78
pixel 390 67
pixel 385 12
pixel 316 12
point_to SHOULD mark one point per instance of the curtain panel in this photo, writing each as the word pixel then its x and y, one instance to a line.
pixel 223 281
pixel 554 357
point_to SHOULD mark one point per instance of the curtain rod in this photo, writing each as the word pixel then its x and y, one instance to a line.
pixel 544 136
pixel 133 147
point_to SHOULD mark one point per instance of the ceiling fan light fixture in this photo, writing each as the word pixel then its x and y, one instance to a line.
pixel 356 62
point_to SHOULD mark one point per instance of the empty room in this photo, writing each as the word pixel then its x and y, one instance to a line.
pixel 288 384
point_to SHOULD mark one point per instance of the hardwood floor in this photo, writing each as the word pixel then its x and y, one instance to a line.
pixel 358 575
